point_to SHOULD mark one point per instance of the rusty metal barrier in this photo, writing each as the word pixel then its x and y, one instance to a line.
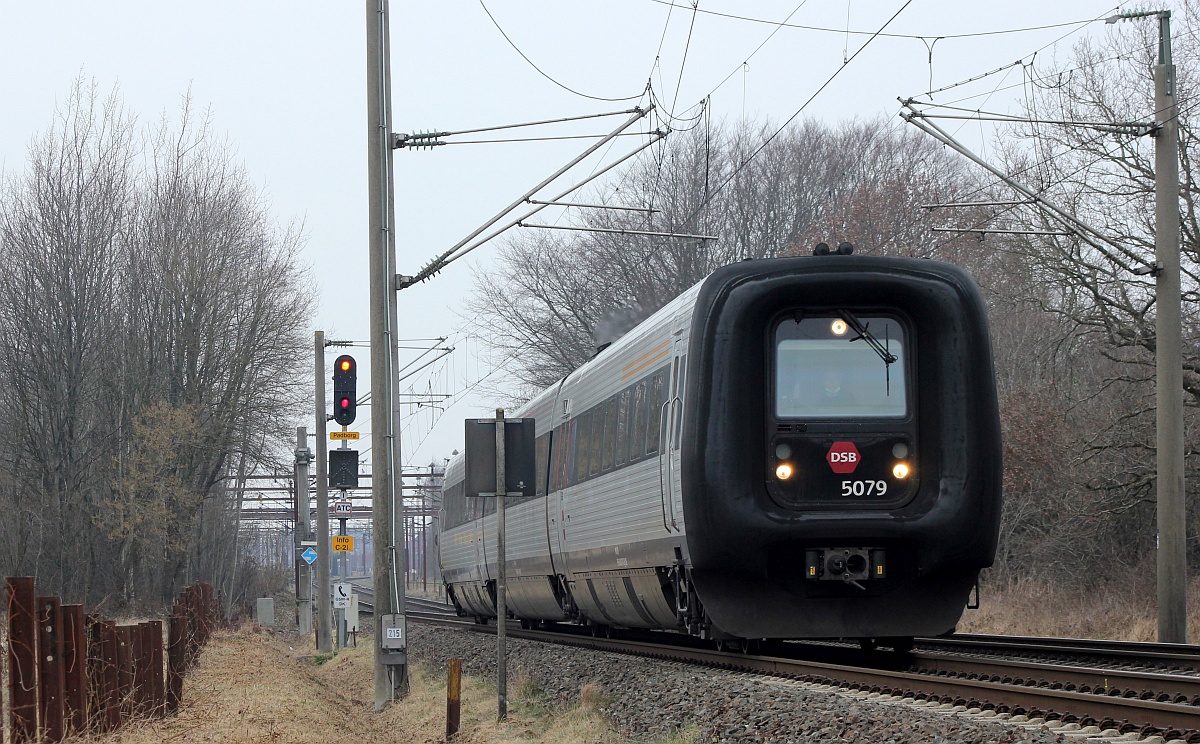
pixel 71 673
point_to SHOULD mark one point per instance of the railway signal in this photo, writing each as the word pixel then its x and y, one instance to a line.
pixel 345 379
pixel 343 468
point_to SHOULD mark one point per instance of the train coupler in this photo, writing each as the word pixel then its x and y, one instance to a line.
pixel 849 565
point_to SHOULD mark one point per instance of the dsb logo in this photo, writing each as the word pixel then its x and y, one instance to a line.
pixel 843 457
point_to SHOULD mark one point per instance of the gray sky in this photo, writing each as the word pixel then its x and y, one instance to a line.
pixel 285 82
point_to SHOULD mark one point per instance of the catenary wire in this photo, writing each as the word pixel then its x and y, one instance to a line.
pixel 869 33
pixel 683 62
pixel 704 202
pixel 542 72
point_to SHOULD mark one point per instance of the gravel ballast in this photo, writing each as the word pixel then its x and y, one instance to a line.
pixel 649 699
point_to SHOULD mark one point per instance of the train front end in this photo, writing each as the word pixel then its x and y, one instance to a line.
pixel 843 477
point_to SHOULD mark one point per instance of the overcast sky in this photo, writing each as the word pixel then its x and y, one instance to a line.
pixel 285 83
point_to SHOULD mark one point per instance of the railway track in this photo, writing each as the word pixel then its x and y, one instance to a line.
pixel 1105 688
pixel 413 605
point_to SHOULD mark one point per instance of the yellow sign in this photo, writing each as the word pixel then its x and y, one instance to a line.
pixel 343 435
pixel 343 543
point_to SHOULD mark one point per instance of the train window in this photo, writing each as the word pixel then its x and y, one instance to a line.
pixel 542 448
pixel 609 437
pixel 637 436
pixel 596 440
pixel 656 397
pixel 623 403
pixel 562 457
pixel 824 369
pixel 454 506
pixel 583 438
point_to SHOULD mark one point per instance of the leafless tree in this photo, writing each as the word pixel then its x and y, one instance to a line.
pixel 154 321
pixel 61 231
pixel 1099 413
pixel 554 299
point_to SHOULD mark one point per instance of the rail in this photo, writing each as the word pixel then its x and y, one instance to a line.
pixel 1100 688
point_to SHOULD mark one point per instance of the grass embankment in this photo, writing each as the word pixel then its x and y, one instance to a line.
pixel 254 686
pixel 1124 610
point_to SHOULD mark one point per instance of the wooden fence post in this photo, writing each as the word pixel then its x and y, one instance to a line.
pixel 51 689
pixel 158 688
pixel 75 652
pixel 95 670
pixel 191 605
pixel 141 676
pixel 22 659
pixel 453 697
pixel 176 659
pixel 125 670
pixel 110 653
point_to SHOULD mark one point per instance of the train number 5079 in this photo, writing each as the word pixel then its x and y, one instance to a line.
pixel 864 487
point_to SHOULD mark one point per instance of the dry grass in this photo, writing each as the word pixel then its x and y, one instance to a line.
pixel 1119 610
pixel 251 686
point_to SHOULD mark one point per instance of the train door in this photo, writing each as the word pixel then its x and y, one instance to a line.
pixel 668 452
pixel 545 465
pixel 676 434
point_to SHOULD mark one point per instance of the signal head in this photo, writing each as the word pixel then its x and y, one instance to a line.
pixel 345 374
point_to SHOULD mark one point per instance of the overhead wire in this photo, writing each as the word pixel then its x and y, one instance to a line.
pixel 869 33
pixel 543 72
pixel 1183 107
pixel 1021 60
pixel 803 106
pixel 778 26
pixel 683 62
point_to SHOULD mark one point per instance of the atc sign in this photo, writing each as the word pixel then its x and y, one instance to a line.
pixel 843 457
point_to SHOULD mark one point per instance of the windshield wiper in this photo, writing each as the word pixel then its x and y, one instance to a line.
pixel 882 350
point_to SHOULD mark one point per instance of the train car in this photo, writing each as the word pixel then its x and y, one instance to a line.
pixel 802 447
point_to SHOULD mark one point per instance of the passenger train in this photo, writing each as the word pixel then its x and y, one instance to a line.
pixel 803 447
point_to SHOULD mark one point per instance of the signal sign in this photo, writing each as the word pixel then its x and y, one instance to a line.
pixel 343 468
pixel 843 457
pixel 343 543
pixel 342 509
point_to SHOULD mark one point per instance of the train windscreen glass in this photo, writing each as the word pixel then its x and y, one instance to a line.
pixel 826 368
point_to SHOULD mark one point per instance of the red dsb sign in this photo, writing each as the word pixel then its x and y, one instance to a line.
pixel 843 457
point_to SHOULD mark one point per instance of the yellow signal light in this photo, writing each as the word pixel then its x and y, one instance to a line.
pixel 345 365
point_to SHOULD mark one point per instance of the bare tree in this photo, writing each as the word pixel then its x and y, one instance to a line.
pixel 60 236
pixel 554 300
pixel 154 323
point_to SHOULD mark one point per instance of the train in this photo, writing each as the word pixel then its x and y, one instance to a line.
pixel 794 448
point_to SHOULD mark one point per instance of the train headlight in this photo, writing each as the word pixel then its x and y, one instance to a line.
pixel 838 327
pixel 784 471
pixel 901 470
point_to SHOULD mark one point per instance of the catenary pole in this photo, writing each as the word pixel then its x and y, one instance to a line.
pixel 303 533
pixel 1172 513
pixel 324 621
pixel 391 669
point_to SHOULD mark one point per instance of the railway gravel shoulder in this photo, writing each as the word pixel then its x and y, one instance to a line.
pixel 649 699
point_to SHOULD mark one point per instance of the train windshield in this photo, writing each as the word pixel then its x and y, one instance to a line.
pixel 825 368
